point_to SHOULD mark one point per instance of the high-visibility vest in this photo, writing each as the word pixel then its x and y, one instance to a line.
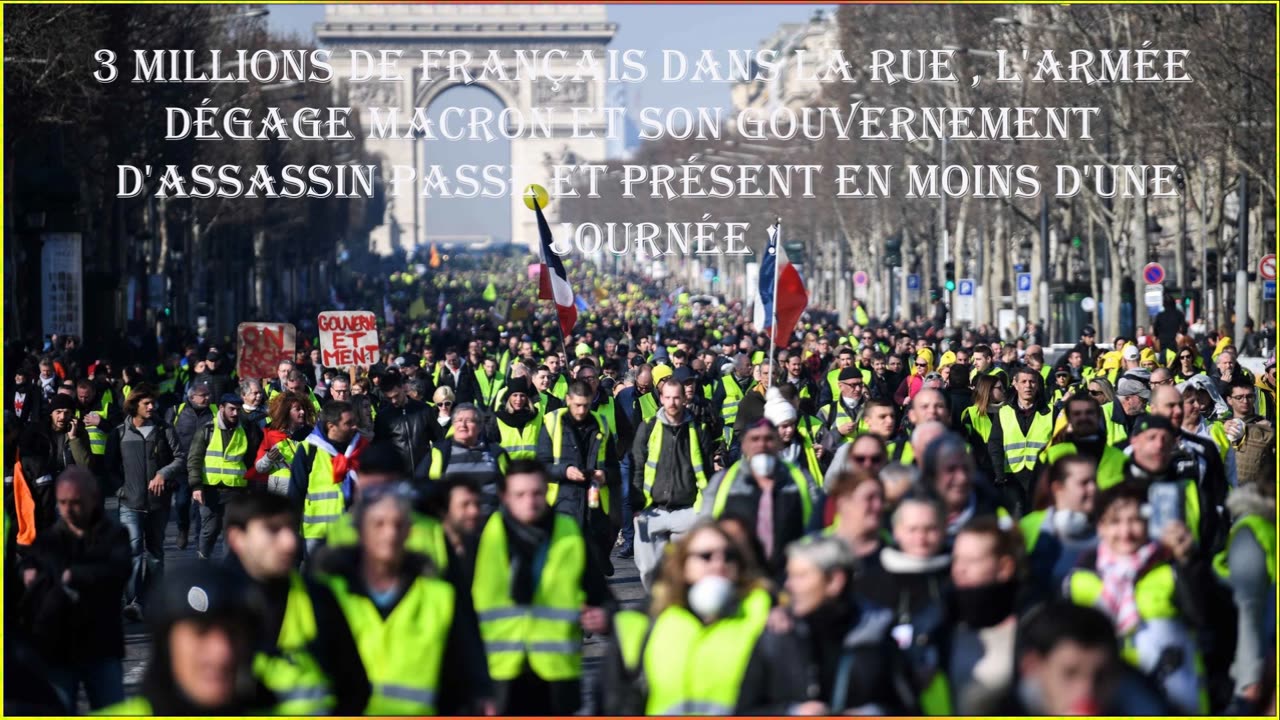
pixel 426 537
pixel 488 389
pixel 545 633
pixel 1116 432
pixel 436 470
pixel 324 503
pixel 1022 451
pixel 900 451
pixel 979 421
pixel 520 443
pixel 403 653
pixel 555 429
pixel 226 466
pixel 605 412
pixel 655 452
pixel 1219 433
pixel 288 450
pixel 810 459
pixel 1155 595
pixel 1110 465
pixel 136 706
pixel 560 388
pixel 648 406
pixel 1264 531
pixel 733 394
pixel 680 649
pixel 842 416
pixel 731 476
pixel 299 684
pixel 97 436
pixel 168 380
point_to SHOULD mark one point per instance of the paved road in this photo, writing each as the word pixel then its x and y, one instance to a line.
pixel 625 584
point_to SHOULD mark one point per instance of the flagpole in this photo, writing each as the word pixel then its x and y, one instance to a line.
pixel 773 310
pixel 564 344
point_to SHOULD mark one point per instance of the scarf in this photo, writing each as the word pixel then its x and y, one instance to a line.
pixel 344 463
pixel 1119 575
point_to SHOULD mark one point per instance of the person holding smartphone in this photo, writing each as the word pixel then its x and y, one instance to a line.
pixel 1154 590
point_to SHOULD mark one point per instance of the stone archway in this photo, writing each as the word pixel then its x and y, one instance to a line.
pixel 412 28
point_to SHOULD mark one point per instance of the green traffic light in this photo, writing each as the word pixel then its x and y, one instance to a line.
pixel 1075 242
pixel 951 286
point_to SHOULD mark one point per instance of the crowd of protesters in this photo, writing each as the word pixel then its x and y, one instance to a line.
pixel 886 519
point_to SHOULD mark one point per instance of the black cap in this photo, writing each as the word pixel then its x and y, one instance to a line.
pixel 1062 371
pixel 61 401
pixel 684 375
pixel 230 399
pixel 204 591
pixel 1088 331
pixel 1152 422
pixel 850 373
pixel 519 385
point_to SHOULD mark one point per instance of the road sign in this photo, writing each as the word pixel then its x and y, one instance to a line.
pixel 860 278
pixel 1153 273
pixel 1267 267
pixel 1024 289
pixel 1269 289
pixel 964 300
pixel 1088 304
pixel 1153 296
pixel 913 282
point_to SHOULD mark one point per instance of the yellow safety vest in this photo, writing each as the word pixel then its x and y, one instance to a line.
pixel 520 444
pixel 681 649
pixel 324 503
pixel 843 416
pixel 436 469
pixel 488 388
pixel 1264 531
pixel 426 537
pixel 288 450
pixel 731 476
pixel 980 422
pixel 555 428
pixel 226 466
pixel 733 394
pixel 1155 597
pixel 300 686
pixel 546 633
pixel 1022 451
pixel 648 406
pixel 1115 431
pixel 655 452
pixel 403 654
pixel 1110 465
pixel 96 435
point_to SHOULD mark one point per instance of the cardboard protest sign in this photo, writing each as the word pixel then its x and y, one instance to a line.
pixel 348 337
pixel 260 346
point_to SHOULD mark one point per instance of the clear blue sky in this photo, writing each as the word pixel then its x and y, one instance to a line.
pixel 651 28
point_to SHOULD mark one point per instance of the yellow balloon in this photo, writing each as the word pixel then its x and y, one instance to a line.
pixel 536 191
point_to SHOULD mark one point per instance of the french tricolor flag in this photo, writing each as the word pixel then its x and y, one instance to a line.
pixel 781 297
pixel 553 281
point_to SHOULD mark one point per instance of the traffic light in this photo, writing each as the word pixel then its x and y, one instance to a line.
pixel 893 251
pixel 949 275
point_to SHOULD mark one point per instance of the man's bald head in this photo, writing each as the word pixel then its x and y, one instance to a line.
pixel 924 434
pixel 1166 401
pixel 929 405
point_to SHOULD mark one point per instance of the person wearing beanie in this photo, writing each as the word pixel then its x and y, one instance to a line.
pixel 796 449
pixel 516 424
pixel 45 449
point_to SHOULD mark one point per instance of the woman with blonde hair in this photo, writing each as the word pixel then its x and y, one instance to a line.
pixel 695 650
pixel 988 396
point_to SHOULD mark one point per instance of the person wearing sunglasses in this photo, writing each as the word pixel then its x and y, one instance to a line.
pixel 1187 365
pixel 695 649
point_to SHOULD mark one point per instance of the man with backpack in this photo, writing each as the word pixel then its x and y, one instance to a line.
pixel 1252 435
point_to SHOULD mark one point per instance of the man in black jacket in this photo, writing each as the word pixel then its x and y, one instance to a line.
pixel 185 419
pixel 143 467
pixel 221 453
pixel 262 537
pixel 458 377
pixel 46 449
pixel 405 423
pixel 581 455
pixel 74 574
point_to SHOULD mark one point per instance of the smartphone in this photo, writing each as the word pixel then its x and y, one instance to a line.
pixel 1165 501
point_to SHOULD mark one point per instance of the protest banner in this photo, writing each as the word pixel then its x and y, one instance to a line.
pixel 260 346
pixel 348 338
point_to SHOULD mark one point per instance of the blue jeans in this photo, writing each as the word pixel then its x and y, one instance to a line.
pixel 146 544
pixel 103 681
pixel 628 527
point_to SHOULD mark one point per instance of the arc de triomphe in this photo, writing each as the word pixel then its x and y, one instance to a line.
pixel 412 28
